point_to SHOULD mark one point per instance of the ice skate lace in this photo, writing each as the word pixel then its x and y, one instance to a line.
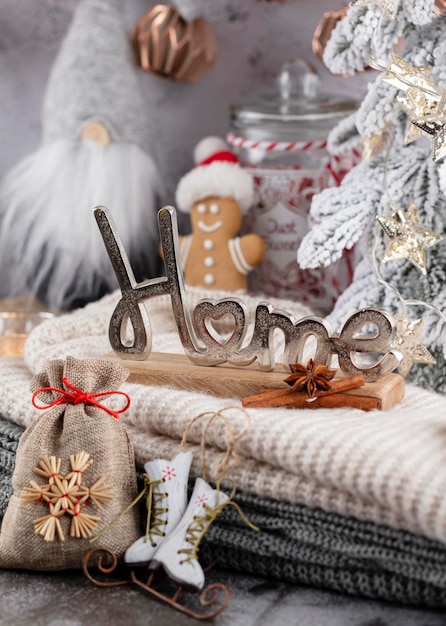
pixel 200 523
pixel 155 523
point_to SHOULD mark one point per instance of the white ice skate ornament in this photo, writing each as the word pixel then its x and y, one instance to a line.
pixel 174 532
pixel 178 554
pixel 166 483
pixel 174 537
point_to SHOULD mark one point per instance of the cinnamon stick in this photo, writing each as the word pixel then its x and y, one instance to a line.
pixel 338 400
pixel 289 397
pixel 329 402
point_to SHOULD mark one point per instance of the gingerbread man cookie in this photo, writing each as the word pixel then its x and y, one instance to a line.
pixel 216 192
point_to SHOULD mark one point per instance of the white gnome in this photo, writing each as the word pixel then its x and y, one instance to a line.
pixel 216 193
pixel 96 149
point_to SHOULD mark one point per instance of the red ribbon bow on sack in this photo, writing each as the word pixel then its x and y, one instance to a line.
pixel 77 396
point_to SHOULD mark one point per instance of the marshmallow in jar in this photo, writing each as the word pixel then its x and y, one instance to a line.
pixel 280 139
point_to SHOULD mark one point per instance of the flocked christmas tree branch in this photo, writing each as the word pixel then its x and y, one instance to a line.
pixel 400 176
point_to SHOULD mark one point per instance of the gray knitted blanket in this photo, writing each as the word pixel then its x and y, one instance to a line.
pixel 9 440
pixel 306 546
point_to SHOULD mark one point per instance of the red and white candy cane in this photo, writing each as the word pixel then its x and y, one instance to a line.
pixel 274 146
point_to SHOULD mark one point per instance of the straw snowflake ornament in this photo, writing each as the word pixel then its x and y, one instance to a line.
pixel 66 495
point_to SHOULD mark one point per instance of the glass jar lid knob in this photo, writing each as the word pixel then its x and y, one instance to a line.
pixel 297 80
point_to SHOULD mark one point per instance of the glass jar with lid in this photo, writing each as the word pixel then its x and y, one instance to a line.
pixel 280 139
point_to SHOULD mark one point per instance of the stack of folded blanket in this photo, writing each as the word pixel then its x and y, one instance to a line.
pixel 9 440
pixel 302 545
pixel 346 500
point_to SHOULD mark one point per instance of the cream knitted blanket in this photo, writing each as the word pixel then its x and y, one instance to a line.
pixel 388 467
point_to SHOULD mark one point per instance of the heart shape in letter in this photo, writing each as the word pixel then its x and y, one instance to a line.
pixel 206 316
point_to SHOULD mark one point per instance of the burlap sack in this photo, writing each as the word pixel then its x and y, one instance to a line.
pixel 62 431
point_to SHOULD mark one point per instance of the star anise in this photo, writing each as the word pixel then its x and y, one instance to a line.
pixel 310 378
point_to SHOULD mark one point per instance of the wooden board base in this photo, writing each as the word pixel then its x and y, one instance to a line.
pixel 227 381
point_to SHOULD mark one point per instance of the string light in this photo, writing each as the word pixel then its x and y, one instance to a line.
pixel 388 7
pixel 408 237
pixel 424 102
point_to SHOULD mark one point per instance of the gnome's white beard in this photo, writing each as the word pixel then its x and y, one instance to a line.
pixel 50 245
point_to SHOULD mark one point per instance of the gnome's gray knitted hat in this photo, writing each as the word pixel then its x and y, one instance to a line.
pixel 94 79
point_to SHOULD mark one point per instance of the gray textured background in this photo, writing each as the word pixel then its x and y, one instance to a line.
pixel 255 39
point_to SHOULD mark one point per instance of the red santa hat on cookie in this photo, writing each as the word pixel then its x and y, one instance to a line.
pixel 217 173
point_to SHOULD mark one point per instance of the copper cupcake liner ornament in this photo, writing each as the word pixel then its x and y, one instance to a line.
pixel 324 29
pixel 166 44
pixel 440 7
